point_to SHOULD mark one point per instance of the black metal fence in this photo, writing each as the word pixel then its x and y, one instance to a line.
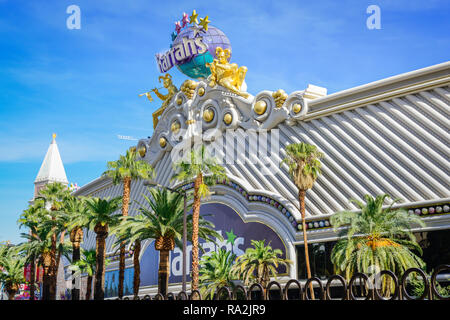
pixel 360 287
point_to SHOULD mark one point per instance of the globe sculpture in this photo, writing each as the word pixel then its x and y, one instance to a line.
pixel 195 66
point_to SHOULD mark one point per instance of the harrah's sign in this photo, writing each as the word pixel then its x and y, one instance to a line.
pixel 178 53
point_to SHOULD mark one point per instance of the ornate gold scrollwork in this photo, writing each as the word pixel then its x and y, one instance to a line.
pixel 280 97
pixel 188 88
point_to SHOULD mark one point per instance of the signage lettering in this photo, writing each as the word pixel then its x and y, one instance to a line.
pixel 180 52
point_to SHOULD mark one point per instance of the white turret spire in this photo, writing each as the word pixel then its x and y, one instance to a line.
pixel 52 168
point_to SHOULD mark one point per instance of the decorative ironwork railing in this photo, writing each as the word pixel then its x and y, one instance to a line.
pixel 360 287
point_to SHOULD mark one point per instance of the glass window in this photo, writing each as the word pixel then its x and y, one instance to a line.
pixel 435 246
pixel 319 259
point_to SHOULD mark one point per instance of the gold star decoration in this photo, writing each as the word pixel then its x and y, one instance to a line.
pixel 193 18
pixel 204 23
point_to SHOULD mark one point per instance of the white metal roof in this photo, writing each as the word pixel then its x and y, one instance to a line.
pixel 390 136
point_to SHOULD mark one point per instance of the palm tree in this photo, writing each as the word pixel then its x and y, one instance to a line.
pixel 4 247
pixel 418 286
pixel 216 272
pixel 101 217
pixel 34 252
pixel 11 274
pixel 124 232
pixel 205 171
pixel 259 263
pixel 39 245
pixel 376 238
pixel 161 218
pixel 38 248
pixel 124 170
pixel 304 168
pixel 87 264
pixel 76 218
pixel 53 194
pixel 30 219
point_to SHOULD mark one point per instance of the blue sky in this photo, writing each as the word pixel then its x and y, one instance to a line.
pixel 84 84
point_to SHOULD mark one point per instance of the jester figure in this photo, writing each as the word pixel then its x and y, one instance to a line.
pixel 172 90
pixel 167 83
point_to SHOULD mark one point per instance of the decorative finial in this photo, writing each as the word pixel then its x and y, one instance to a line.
pixel 54 136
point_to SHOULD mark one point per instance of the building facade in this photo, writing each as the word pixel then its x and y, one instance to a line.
pixel 389 136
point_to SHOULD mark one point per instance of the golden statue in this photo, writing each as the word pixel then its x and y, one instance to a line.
pixel 172 90
pixel 226 74
pixel 167 83
pixel 147 94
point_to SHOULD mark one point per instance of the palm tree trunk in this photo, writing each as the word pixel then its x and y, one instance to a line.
pixel 125 204
pixel 76 236
pixel 121 269
pixel 57 258
pixel 99 291
pixel 89 288
pixel 45 277
pixel 11 292
pixel 75 258
pixel 45 287
pixel 264 280
pixel 32 277
pixel 52 270
pixel 32 273
pixel 301 198
pixel 163 272
pixel 137 267
pixel 195 218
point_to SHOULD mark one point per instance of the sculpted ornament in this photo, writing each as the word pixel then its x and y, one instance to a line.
pixel 188 88
pixel 172 90
pixel 280 97
pixel 228 75
pixel 218 100
pixel 167 83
